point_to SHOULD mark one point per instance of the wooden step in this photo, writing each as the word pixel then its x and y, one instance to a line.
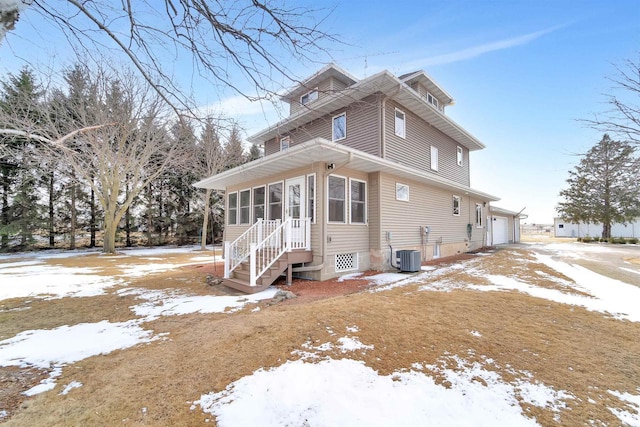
pixel 242 276
pixel 244 286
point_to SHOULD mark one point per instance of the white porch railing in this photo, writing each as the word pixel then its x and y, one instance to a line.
pixel 238 250
pixel 287 236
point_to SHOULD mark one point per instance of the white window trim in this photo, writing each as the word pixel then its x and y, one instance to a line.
pixel 288 142
pixel 403 133
pixel 240 205
pixel 408 192
pixel 267 199
pixel 315 197
pixel 434 158
pixel 346 200
pixel 364 222
pixel 253 201
pixel 459 199
pixel 479 215
pixel 460 156
pixel 433 101
pixel 333 121
pixel 307 94
pixel 236 208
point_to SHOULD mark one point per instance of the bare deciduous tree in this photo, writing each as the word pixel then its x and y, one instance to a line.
pixel 623 118
pixel 209 161
pixel 127 145
pixel 259 40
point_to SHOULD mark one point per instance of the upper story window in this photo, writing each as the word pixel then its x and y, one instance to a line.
pixel 434 158
pixel 402 192
pixel 232 208
pixel 308 97
pixel 456 205
pixel 285 141
pixel 400 123
pixel 433 100
pixel 339 127
pixel 459 157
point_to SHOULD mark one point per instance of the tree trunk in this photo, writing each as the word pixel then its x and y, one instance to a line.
pixel 109 237
pixel 127 217
pixel 4 240
pixel 127 227
pixel 149 217
pixel 50 184
pixel 72 228
pixel 606 230
pixel 92 225
pixel 205 220
pixel 160 213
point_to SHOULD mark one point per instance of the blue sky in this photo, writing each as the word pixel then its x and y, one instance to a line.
pixel 522 73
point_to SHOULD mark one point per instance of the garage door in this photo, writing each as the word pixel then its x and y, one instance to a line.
pixel 500 230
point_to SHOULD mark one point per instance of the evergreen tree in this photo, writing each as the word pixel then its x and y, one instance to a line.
pixel 19 211
pixel 209 160
pixel 604 187
pixel 254 153
pixel 233 151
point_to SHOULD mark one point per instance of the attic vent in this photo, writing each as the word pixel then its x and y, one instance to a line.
pixel 346 262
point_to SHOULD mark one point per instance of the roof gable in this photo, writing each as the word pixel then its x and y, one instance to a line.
pixel 326 72
pixel 383 82
pixel 425 80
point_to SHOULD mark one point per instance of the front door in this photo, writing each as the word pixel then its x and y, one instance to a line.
pixel 295 207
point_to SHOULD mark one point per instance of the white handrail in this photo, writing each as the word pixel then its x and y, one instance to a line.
pixel 291 234
pixel 238 250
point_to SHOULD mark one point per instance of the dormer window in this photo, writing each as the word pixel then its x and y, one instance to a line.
pixel 432 100
pixel 308 97
pixel 285 141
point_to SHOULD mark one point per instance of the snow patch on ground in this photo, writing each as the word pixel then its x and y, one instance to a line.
pixel 45 348
pixel 55 348
pixel 70 386
pixel 30 280
pixel 352 344
pixel 631 418
pixel 349 277
pixel 346 393
pixel 172 303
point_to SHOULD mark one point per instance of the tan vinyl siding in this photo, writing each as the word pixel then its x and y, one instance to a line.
pixel 415 149
pixel 337 85
pixel 427 206
pixel 363 123
pixel 272 146
pixel 362 128
pixel 374 210
pixel 325 88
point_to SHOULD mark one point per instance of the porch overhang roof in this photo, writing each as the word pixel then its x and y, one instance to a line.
pixel 321 150
pixel 382 82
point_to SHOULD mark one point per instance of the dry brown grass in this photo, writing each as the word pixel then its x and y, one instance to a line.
pixel 565 347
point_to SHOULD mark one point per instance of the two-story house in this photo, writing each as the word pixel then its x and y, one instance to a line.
pixel 360 169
